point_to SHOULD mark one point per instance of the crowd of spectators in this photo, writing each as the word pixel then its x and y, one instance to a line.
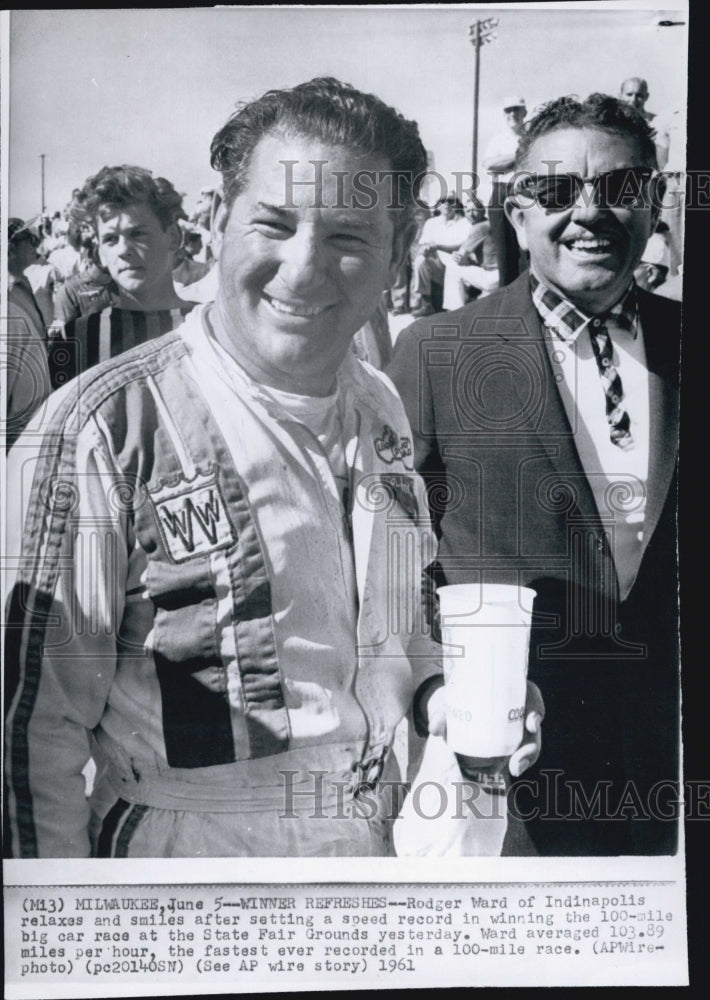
pixel 64 294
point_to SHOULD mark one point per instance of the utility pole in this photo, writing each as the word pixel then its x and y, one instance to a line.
pixel 44 207
pixel 480 33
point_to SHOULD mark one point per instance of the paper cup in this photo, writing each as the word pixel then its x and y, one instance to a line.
pixel 485 630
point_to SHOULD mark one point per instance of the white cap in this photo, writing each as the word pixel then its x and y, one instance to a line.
pixel 656 252
pixel 514 102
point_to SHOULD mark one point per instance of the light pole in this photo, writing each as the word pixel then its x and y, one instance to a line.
pixel 479 33
pixel 44 207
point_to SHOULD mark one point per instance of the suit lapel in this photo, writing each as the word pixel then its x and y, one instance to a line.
pixel 553 428
pixel 659 322
pixel 660 333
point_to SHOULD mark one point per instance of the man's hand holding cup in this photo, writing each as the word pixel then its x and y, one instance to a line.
pixel 526 754
pixel 487 710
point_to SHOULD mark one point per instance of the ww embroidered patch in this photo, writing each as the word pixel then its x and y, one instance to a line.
pixel 192 516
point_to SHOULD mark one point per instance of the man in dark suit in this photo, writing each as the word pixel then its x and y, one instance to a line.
pixel 545 421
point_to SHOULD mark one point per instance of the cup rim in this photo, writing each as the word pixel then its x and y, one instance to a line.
pixel 489 593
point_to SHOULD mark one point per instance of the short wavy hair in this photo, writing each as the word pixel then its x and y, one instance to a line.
pixel 118 187
pixel 331 112
pixel 599 112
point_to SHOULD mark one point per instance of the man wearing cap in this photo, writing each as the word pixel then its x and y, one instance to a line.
pixel 499 161
pixel 545 418
pixel 27 370
pixel 441 236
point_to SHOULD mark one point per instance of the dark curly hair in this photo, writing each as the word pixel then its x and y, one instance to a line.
pixel 117 187
pixel 334 113
pixel 599 112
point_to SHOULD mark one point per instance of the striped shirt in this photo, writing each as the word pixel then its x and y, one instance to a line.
pixel 101 335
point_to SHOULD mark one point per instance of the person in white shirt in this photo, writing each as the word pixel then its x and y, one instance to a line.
pixel 499 161
pixel 441 236
pixel 474 267
pixel 634 91
pixel 66 257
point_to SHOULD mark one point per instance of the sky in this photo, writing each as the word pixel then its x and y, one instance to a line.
pixel 151 87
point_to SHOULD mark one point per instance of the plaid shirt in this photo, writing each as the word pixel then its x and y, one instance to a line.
pixel 567 321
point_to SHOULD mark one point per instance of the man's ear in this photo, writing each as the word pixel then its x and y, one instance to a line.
pixel 219 217
pixel 175 234
pixel 401 245
pixel 516 217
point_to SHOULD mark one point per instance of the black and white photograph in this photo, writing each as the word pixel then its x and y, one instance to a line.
pixel 340 360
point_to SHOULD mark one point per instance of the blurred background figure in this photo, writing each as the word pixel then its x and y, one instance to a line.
pixel 50 239
pixel 399 291
pixel 473 270
pixel 44 280
pixel 652 274
pixel 440 237
pixel 26 351
pixel 653 266
pixel 201 220
pixel 188 269
pixel 634 91
pixel 23 241
pixel 65 255
pixel 499 161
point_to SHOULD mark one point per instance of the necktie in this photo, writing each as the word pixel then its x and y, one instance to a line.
pixel 619 422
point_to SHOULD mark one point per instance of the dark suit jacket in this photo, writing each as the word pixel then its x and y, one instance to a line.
pixel 511 503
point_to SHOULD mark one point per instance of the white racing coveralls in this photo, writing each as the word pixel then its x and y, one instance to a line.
pixel 192 606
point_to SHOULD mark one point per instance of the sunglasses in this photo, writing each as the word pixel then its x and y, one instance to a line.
pixel 624 188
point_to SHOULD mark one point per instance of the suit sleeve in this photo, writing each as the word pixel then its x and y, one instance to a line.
pixel 409 373
pixel 66 600
pixel 27 372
